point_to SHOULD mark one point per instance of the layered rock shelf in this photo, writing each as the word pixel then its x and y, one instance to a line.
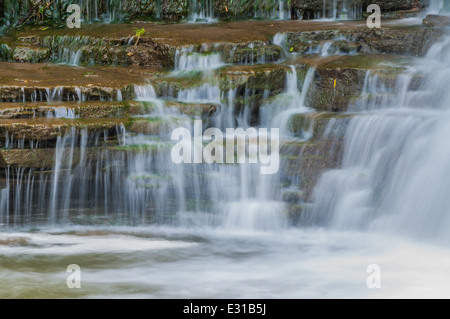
pixel 85 91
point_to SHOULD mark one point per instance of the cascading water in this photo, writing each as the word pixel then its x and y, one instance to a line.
pixel 228 219
pixel 201 11
pixel 395 157
pixel 438 7
pixel 278 112
pixel 340 10
pixel 187 60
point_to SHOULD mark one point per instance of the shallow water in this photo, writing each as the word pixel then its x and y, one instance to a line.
pixel 160 262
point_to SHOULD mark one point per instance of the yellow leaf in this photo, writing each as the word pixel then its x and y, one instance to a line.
pixel 292 49
pixel 226 9
pixel 130 53
pixel 334 82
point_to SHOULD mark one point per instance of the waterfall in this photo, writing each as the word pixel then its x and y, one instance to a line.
pixel 438 7
pixel 395 157
pixel 341 10
pixel 147 93
pixel 127 176
pixel 186 60
pixel 204 93
pixel 278 112
pixel 201 11
pixel 284 12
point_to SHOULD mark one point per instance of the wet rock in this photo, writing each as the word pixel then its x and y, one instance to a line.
pixel 26 82
pixel 338 80
pixel 43 129
pixel 22 93
pixel 89 50
pixel 45 158
pixel 37 158
pixel 139 8
pixel 169 86
pixel 149 54
pixel 174 10
pixel 261 77
pixel 292 196
pixel 345 47
pixel 432 20
pixel 30 54
pixel 99 109
pixel 146 126
pixel 89 109
pixel 394 5
pixel 307 9
pixel 203 110
pixel 251 85
pixel 317 124
pixel 304 162
pixel 237 9
pixel 413 41
pixel 259 54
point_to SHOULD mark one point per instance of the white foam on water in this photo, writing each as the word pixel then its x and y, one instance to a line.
pixel 66 244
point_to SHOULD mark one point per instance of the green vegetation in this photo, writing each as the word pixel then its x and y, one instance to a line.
pixel 138 33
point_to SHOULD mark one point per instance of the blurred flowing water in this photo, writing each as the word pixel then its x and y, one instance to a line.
pixel 222 231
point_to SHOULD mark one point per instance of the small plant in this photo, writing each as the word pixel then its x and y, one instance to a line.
pixel 138 33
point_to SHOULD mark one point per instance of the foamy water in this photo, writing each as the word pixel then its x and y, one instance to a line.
pixel 218 263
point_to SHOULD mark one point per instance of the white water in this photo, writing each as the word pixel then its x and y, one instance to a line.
pixel 243 244
pixel 147 93
pixel 438 7
pixel 202 11
pixel 395 161
pixel 178 263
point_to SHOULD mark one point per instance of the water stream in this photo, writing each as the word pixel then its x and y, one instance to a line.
pixel 140 225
